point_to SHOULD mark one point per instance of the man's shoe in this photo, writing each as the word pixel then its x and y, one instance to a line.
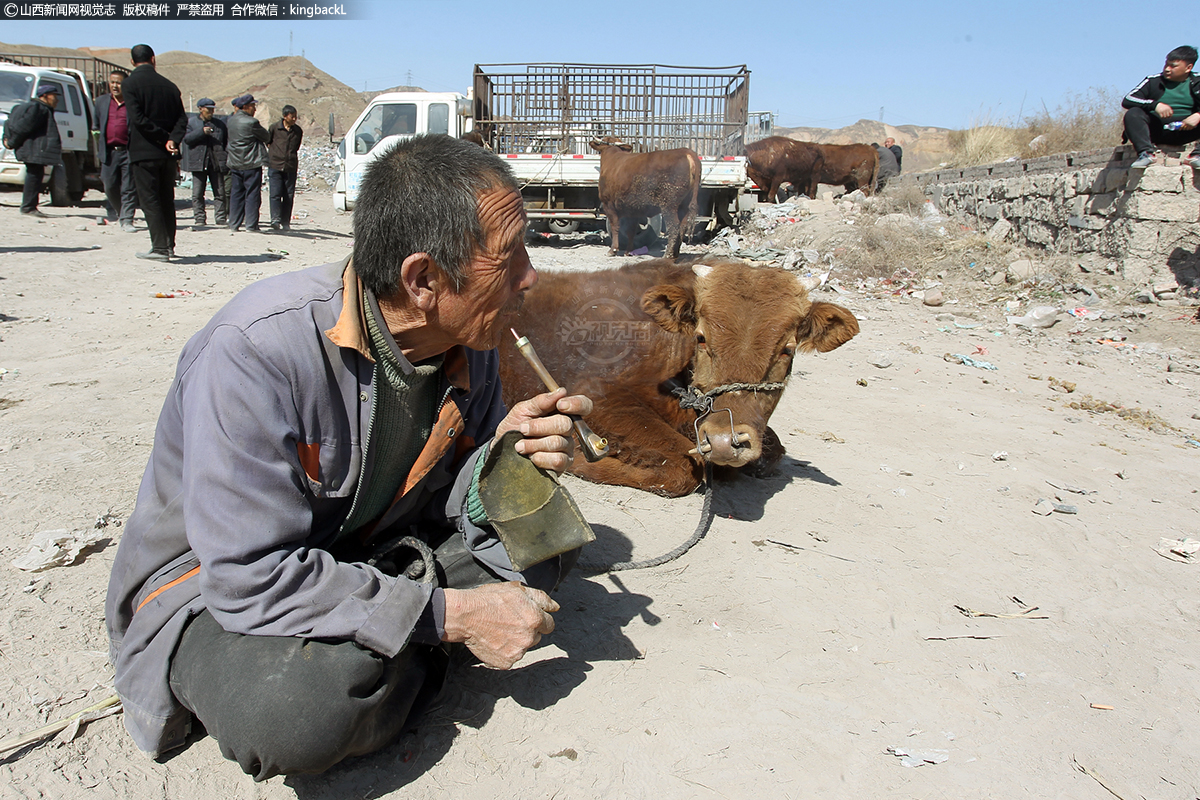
pixel 34 213
pixel 128 227
pixel 200 226
pixel 154 255
pixel 254 229
pixel 1192 160
pixel 1143 160
pixel 275 226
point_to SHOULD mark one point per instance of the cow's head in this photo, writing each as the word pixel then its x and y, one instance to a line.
pixel 608 142
pixel 748 324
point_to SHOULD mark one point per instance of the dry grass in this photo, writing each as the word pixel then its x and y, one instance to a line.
pixel 1147 419
pixel 1085 121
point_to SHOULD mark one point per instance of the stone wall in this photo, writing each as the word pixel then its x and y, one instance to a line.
pixel 1147 222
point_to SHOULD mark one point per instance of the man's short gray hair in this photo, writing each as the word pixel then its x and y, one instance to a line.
pixel 422 196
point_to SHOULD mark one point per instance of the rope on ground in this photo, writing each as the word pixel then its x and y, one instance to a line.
pixel 706 517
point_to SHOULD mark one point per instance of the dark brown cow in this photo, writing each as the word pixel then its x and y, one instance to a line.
pixel 627 337
pixel 644 184
pixel 854 166
pixel 777 159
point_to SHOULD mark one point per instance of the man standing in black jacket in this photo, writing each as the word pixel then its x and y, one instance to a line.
pixel 1165 109
pixel 283 164
pixel 247 153
pixel 32 132
pixel 157 123
pixel 204 156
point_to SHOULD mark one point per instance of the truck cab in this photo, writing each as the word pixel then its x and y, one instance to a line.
pixel 390 118
pixel 73 116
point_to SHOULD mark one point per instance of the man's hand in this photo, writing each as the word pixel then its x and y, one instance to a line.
pixel 547 430
pixel 1190 122
pixel 498 622
pixel 1164 111
pixel 172 148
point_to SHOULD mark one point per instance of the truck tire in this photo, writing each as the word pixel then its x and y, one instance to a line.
pixel 555 225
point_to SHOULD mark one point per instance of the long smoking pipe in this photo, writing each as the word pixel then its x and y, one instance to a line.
pixel 594 447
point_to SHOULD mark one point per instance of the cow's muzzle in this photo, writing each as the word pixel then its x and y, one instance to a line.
pixel 719 438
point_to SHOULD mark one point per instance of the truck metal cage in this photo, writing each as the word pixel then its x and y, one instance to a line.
pixel 95 70
pixel 559 108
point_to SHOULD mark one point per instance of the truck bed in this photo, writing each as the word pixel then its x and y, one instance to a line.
pixel 584 170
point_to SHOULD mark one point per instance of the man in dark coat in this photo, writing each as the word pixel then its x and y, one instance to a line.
pixel 888 168
pixel 204 156
pixel 112 146
pixel 32 132
pixel 897 151
pixel 283 164
pixel 1165 109
pixel 157 123
pixel 247 156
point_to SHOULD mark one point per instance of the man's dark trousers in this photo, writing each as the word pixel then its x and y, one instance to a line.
pixel 155 181
pixel 246 198
pixel 279 704
pixel 34 173
pixel 1144 129
pixel 220 204
pixel 282 185
pixel 118 184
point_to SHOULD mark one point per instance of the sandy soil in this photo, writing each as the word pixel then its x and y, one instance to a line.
pixel 815 627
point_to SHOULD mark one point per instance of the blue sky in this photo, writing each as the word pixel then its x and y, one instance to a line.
pixel 828 64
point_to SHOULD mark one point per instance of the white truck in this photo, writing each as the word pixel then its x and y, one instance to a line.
pixel 78 80
pixel 541 117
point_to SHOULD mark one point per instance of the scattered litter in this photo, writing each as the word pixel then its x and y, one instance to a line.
pixel 1083 313
pixel 641 251
pixel 959 358
pixel 1043 507
pixel 1040 317
pixel 1026 614
pixel 919 758
pixel 174 293
pixel 277 251
pixel 1063 508
pixel 1000 455
pixel 110 705
pixel 1067 487
pixel 1101 707
pixel 861 382
pixel 1184 550
pixel 1066 387
pixel 56 548
pixel 966 325
pixel 881 360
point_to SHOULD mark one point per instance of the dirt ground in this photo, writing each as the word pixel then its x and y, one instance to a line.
pixel 826 625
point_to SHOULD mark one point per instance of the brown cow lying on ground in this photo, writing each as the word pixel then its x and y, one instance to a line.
pixel 777 160
pixel 627 337
pixel 644 184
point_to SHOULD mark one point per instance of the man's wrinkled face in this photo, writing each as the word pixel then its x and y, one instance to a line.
pixel 497 277
pixel 114 84
pixel 1176 70
pixel 51 99
pixel 206 113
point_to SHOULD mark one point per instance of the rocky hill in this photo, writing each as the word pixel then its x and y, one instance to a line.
pixel 924 148
pixel 274 82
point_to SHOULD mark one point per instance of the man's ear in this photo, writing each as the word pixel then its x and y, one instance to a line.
pixel 422 281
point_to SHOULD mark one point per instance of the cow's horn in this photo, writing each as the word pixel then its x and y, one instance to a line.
pixel 701 270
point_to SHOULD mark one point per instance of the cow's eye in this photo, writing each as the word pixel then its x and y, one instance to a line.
pixel 789 351
pixel 700 338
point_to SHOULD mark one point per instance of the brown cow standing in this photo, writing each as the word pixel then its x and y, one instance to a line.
pixel 776 160
pixel 644 184
pixel 626 337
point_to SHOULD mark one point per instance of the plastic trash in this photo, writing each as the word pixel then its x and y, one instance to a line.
pixel 1040 317
pixel 55 549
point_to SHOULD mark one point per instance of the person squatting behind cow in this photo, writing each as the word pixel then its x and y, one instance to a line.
pixel 319 414
pixel 283 165
pixel 888 166
pixel 205 157
pixel 1165 109
pixel 32 133
pixel 157 122
pixel 247 155
pixel 112 148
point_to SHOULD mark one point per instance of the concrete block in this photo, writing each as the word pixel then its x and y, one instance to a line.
pixel 1076 206
pixel 990 210
pixel 1020 271
pixel 999 231
pixel 1085 223
pixel 1046 185
pixel 1013 188
pixel 1103 204
pixel 1166 208
pixel 1087 181
pixel 1161 179
pixel 1038 233
pixel 1115 180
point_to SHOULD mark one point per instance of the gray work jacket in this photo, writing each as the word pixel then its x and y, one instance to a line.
pixel 256 459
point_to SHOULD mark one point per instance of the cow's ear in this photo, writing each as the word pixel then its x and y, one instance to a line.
pixel 827 327
pixel 672 307
pixel 628 148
